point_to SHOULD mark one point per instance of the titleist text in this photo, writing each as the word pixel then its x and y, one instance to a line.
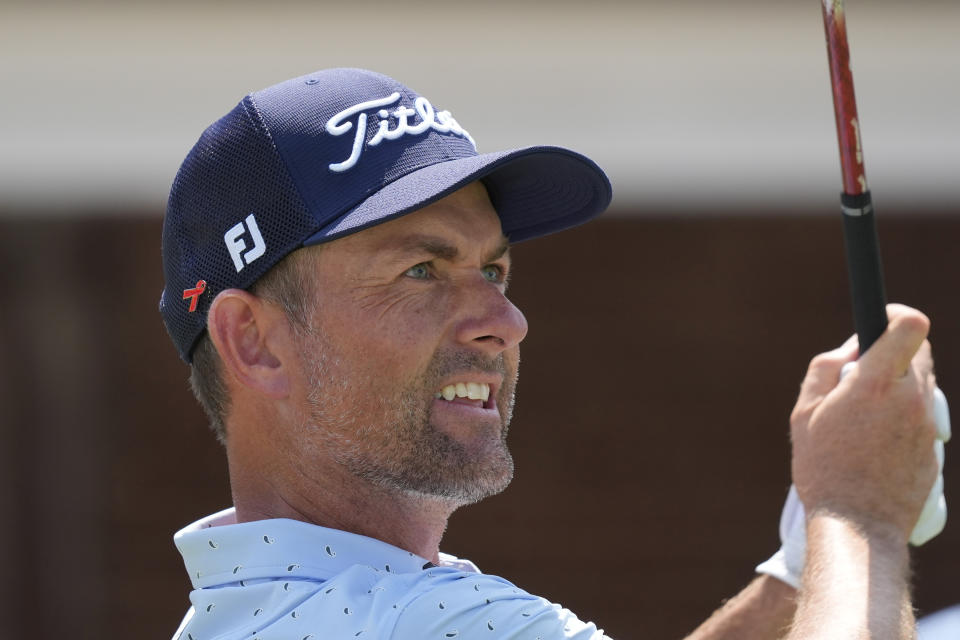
pixel 355 117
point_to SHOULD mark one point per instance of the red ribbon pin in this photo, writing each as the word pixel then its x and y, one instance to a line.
pixel 194 294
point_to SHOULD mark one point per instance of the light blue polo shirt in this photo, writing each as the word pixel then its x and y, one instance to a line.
pixel 290 580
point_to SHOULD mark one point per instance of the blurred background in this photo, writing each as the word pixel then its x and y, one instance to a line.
pixel 667 339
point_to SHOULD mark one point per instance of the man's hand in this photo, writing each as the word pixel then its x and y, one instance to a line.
pixel 863 445
pixel 863 464
pixel 788 562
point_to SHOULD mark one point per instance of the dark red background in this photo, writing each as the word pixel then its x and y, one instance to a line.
pixel 650 434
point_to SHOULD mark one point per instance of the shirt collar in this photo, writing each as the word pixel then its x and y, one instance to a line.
pixel 217 550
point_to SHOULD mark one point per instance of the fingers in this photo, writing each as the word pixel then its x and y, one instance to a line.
pixel 824 371
pixel 901 348
pixel 891 355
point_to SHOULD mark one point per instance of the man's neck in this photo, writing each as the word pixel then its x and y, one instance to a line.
pixel 411 522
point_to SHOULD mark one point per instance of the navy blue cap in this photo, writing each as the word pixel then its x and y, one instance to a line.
pixel 328 154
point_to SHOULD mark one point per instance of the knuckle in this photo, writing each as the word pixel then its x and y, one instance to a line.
pixel 802 411
pixel 817 361
pixel 796 416
pixel 821 363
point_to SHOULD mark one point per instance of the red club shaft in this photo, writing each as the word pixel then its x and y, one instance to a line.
pixel 859 231
pixel 844 101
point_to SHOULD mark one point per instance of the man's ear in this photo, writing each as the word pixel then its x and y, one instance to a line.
pixel 252 339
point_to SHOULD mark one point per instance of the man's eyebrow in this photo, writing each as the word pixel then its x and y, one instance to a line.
pixel 441 248
pixel 500 251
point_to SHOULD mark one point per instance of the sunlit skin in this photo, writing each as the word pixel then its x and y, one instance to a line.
pixel 351 435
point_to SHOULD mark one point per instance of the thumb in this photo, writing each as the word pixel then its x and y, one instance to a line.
pixel 889 357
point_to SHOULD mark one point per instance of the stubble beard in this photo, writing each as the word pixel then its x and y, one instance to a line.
pixel 398 448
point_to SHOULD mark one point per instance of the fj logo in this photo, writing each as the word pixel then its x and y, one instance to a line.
pixel 236 245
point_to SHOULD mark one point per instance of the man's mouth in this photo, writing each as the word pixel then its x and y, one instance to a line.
pixel 472 393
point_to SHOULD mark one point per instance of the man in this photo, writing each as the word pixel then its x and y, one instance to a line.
pixel 336 258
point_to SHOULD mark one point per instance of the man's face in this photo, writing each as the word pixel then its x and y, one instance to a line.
pixel 407 314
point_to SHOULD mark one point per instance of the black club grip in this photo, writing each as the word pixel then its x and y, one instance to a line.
pixel 863 264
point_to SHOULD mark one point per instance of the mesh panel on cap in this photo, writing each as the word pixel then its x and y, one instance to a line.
pixel 233 171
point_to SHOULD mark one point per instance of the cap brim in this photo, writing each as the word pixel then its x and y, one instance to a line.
pixel 535 191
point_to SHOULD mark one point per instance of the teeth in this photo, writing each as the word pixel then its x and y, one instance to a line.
pixel 472 390
pixel 477 392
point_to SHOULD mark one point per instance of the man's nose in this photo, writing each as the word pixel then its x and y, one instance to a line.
pixel 489 320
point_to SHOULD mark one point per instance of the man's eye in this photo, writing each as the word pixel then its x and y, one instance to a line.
pixel 419 271
pixel 493 273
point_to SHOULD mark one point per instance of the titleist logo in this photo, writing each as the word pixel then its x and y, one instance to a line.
pixel 355 117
